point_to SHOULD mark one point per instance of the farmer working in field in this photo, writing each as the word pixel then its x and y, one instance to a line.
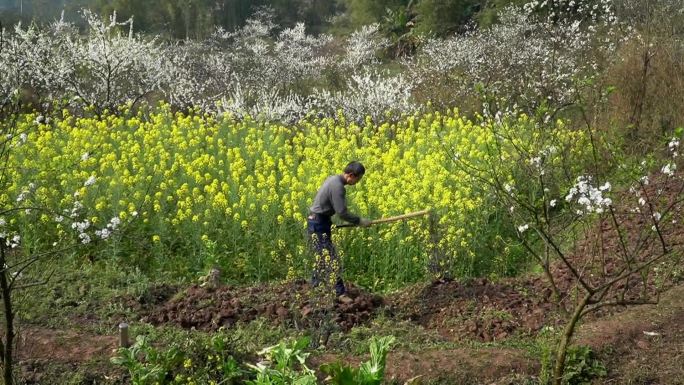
pixel 330 199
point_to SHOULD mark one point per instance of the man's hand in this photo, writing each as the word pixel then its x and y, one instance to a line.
pixel 364 222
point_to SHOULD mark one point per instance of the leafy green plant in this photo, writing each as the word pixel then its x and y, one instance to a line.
pixel 145 364
pixel 219 364
pixel 371 372
pixel 284 364
pixel 208 363
pixel 582 366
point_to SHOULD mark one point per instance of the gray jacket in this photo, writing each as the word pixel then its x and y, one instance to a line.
pixel 331 199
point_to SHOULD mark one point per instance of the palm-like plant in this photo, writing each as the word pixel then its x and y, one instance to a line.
pixel 398 25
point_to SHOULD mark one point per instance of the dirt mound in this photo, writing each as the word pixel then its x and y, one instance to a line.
pixel 478 309
pixel 294 304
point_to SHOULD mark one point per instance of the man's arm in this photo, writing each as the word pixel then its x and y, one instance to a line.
pixel 339 203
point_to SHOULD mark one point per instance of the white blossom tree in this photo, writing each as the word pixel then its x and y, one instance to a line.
pixel 530 58
pixel 561 205
pixel 107 68
pixel 373 94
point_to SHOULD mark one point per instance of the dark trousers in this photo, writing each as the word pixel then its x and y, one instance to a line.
pixel 327 265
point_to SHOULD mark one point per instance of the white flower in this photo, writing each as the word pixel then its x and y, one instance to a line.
pixel 536 161
pixel 523 228
pixel 508 187
pixel 90 181
pixel 656 216
pixel 22 196
pixel 642 201
pixel 588 196
pixel 85 156
pixel 81 227
pixel 84 237
pixel 669 169
pixel 114 222
pixel 104 233
pixel 552 203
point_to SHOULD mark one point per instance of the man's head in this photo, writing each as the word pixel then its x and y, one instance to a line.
pixel 353 172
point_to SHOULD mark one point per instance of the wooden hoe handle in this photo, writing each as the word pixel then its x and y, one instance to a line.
pixel 390 219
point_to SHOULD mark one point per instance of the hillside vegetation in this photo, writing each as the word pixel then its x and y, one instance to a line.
pixel 164 183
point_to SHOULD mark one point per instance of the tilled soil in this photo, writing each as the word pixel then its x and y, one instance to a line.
pixel 295 304
pixel 478 309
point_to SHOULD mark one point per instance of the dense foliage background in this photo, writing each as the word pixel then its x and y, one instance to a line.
pixel 197 18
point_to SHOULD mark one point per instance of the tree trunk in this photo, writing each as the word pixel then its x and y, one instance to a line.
pixel 9 318
pixel 635 118
pixel 562 349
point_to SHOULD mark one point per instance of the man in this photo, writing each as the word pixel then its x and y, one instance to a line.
pixel 331 199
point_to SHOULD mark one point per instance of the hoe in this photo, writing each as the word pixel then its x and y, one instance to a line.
pixel 391 219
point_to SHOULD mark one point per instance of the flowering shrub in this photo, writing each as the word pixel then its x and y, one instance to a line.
pixel 368 94
pixel 543 54
pixel 23 204
pixel 103 68
pixel 540 54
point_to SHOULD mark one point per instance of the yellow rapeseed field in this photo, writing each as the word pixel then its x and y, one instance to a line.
pixel 196 191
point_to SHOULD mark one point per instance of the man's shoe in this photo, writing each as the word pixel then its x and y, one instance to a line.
pixel 345 299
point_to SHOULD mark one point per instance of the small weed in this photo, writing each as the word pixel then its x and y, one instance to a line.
pixel 409 337
pixel 371 372
pixel 496 314
pixel 582 366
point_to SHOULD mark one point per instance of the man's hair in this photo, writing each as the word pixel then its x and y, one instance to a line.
pixel 355 168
